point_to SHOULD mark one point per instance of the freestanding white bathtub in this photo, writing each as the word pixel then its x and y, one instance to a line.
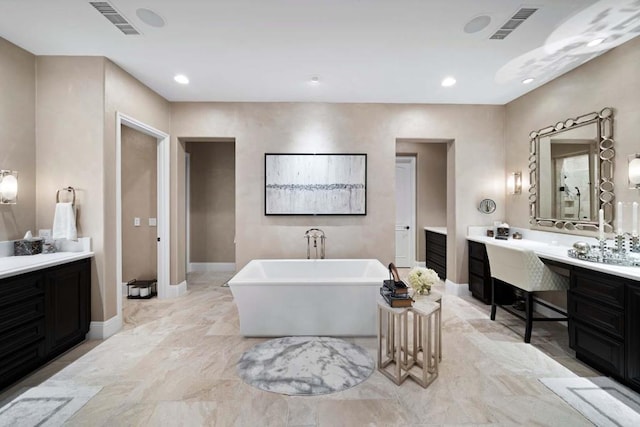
pixel 323 297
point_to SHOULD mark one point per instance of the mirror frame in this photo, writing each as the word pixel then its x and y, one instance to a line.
pixel 606 153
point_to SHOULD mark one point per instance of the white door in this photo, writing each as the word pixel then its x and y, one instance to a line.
pixel 405 211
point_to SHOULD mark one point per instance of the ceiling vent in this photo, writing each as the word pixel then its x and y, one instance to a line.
pixel 114 17
pixel 513 23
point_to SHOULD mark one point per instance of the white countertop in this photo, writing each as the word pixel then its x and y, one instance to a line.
pixel 68 251
pixel 14 265
pixel 441 230
pixel 555 251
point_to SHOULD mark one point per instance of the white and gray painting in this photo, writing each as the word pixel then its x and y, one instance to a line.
pixel 321 184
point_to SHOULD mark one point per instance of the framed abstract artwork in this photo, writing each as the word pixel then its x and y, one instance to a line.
pixel 315 184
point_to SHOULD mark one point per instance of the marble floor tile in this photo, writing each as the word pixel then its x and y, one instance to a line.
pixel 174 363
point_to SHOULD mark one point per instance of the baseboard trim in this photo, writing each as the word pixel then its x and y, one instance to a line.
pixel 101 330
pixel 457 289
pixel 177 290
pixel 212 266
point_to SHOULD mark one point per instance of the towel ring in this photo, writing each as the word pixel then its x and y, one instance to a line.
pixel 69 189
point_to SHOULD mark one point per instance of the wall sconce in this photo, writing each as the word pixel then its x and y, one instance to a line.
pixel 634 171
pixel 514 183
pixel 8 187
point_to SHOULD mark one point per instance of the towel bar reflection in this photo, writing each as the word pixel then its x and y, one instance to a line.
pixel 70 190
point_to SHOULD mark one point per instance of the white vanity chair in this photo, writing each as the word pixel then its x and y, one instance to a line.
pixel 522 269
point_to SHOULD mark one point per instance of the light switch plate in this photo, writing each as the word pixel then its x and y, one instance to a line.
pixel 153 222
pixel 136 222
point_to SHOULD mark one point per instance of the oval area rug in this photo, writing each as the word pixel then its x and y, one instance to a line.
pixel 304 366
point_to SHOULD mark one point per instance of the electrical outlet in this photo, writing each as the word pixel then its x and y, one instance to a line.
pixel 136 222
pixel 45 233
pixel 153 222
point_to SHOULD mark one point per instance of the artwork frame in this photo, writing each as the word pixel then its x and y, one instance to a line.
pixel 315 184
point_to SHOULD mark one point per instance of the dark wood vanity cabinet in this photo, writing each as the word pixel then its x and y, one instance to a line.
pixel 604 323
pixel 68 305
pixel 633 335
pixel 480 276
pixel 596 306
pixel 479 273
pixel 22 325
pixel 436 252
pixel 42 314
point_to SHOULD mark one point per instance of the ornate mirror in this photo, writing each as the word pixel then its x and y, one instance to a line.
pixel 571 173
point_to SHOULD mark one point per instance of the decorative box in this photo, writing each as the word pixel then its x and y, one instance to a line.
pixel 27 247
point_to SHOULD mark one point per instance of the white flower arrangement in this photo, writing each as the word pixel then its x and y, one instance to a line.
pixel 421 279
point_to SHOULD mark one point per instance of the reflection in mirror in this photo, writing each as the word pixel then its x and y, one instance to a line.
pixel 572 172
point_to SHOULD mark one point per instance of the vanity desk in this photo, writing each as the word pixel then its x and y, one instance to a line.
pixel 603 301
pixel 45 308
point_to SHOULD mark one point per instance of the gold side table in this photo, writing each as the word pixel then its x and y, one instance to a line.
pixel 410 349
pixel 393 336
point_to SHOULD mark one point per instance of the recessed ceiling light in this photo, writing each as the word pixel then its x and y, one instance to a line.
pixel 448 81
pixel 182 79
pixel 151 18
pixel 595 42
pixel 478 23
pixel 528 80
pixel 315 80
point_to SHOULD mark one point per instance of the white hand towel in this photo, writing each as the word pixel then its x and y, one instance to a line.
pixel 64 222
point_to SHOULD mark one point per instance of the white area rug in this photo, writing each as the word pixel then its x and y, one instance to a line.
pixel 305 365
pixel 601 400
pixel 45 405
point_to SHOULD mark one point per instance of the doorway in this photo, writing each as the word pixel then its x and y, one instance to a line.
pixel 210 205
pixel 163 208
pixel 405 211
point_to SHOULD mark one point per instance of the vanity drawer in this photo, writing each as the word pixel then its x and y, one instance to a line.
pixel 19 288
pixel 603 352
pixel 21 312
pixel 476 267
pixel 20 362
pixel 436 238
pixel 477 250
pixel 606 319
pixel 478 289
pixel 21 336
pixel 600 287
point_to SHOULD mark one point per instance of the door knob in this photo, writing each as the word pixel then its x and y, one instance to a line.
pixel 406 227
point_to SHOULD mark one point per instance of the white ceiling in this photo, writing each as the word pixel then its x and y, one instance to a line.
pixel 389 51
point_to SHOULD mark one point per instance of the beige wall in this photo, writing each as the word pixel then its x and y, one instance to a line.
pixel 475 167
pixel 18 137
pixel 69 150
pixel 139 199
pixel 431 186
pixel 213 204
pixel 126 95
pixel 611 80
pixel 77 100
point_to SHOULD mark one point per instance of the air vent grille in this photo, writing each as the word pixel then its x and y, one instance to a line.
pixel 114 17
pixel 512 23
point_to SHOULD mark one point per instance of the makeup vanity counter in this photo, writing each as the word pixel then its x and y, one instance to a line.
pixel 603 301
pixel 45 308
pixel 555 249
pixel 436 250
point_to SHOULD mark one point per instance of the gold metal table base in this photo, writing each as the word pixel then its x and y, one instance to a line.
pixel 409 342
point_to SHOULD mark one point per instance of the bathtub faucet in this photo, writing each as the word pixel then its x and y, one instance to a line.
pixel 315 234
